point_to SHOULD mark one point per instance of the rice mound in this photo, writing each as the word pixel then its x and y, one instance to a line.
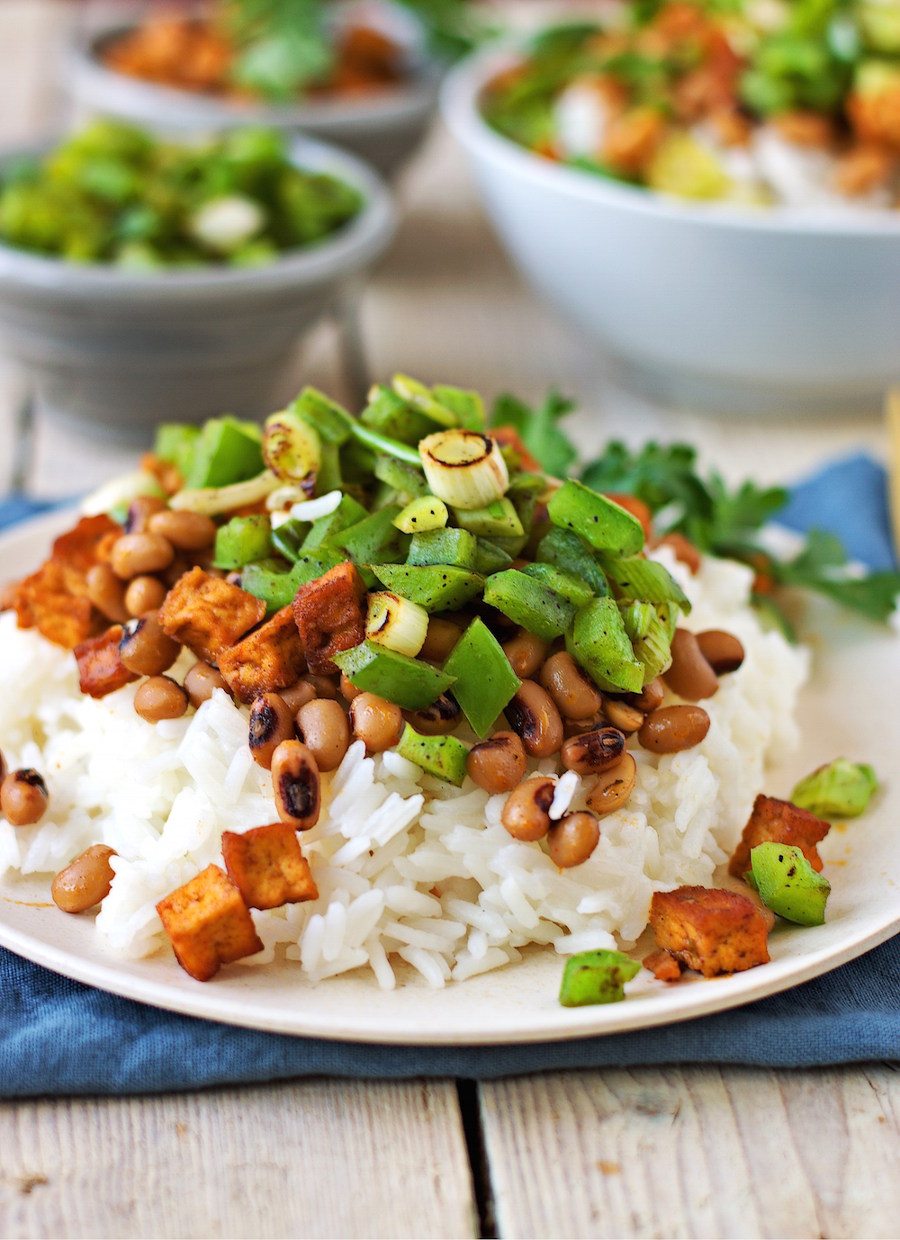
pixel 406 865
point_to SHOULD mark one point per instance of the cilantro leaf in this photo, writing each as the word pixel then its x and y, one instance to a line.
pixel 822 566
pixel 538 429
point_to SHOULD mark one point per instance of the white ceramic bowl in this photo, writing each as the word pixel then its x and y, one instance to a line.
pixel 383 127
pixel 125 350
pixel 735 310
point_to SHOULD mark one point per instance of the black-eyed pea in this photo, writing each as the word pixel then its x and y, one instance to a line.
pixel 144 594
pixel 526 814
pixel 376 722
pixel 533 716
pixel 186 531
pixel 295 783
pixel 323 728
pixel 526 653
pixel 572 840
pixel 575 696
pixel 497 764
pixel 23 797
pixel 622 715
pixel 145 649
pixel 201 681
pixel 85 882
pixel 674 728
pixel 689 674
pixel 722 651
pixel 158 698
pixel 271 722
pixel 107 592
pixel 613 786
pixel 593 751
pixel 441 717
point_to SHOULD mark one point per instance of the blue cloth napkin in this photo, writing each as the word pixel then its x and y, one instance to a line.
pixel 60 1037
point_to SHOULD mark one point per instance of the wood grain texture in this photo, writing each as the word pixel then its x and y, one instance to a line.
pixel 311 1159
pixel 696 1152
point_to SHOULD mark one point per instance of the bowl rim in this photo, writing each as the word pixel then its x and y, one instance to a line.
pixel 460 110
pixel 355 244
pixel 89 76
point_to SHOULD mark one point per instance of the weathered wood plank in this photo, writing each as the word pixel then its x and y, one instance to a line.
pixel 315 1158
pixel 696 1152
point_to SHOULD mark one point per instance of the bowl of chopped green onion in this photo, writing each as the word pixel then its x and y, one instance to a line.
pixel 142 280
pixel 364 76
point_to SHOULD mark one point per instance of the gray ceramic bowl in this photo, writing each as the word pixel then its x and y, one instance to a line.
pixel 701 305
pixel 124 350
pixel 384 128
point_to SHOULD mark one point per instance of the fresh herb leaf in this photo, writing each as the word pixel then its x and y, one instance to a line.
pixel 538 429
pixel 822 566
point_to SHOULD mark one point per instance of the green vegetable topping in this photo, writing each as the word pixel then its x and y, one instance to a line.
pixel 788 885
pixel 596 977
pixel 225 451
pixel 454 547
pixel 114 194
pixel 409 682
pixel 437 587
pixel 599 643
pixel 443 756
pixel 842 789
pixel 484 680
pixel 421 515
pixel 598 520
pixel 529 603
pixel 242 540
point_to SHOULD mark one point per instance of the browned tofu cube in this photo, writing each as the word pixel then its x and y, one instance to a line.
pixel 268 658
pixel 208 614
pixel 781 823
pixel 81 547
pixel 663 965
pixel 44 602
pixel 267 866
pixel 100 669
pixel 330 616
pixel 208 924
pixel 710 930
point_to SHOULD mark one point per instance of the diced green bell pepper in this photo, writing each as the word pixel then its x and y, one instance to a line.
pixel 567 551
pixel 409 683
pixel 599 521
pixel 596 977
pixel 560 582
pixel 421 515
pixel 489 558
pixel 390 415
pixel 287 538
pixel 241 541
pixel 371 538
pixel 788 885
pixel 175 443
pixel 400 476
pixel 598 643
pixel 467 406
pixel 277 588
pixel 443 756
pixel 529 603
pixel 485 680
pixel 842 789
pixel 226 450
pixel 497 520
pixel 448 546
pixel 436 587
pixel 323 529
pixel 325 415
pixel 637 578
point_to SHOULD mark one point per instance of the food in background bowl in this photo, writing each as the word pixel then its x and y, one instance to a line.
pixel 412 700
pixel 363 75
pixel 793 104
pixel 114 194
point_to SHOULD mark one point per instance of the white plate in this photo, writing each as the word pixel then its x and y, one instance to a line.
pixel 850 709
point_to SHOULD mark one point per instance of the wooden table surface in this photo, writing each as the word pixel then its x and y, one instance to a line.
pixel 662 1152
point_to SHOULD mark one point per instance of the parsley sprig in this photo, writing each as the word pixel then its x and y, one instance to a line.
pixel 716 517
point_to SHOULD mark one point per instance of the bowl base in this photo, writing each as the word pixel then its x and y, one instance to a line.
pixel 689 392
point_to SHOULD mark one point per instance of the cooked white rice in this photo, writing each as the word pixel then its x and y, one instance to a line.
pixel 407 867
